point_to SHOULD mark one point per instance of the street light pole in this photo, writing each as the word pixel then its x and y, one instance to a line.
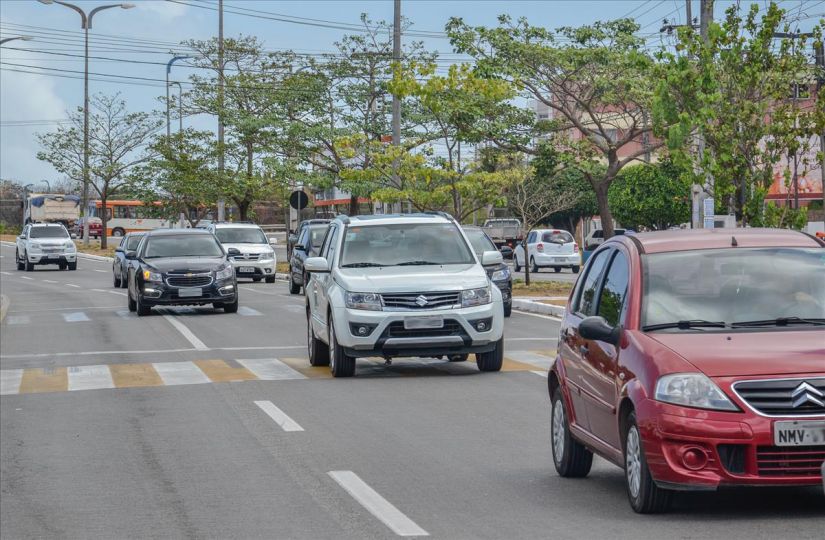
pixel 86 25
pixel 168 70
pixel 221 201
pixel 180 104
pixel 21 38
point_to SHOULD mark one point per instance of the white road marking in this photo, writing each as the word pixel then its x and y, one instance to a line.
pixel 6 273
pixel 174 373
pixel 26 277
pixel 270 369
pixel 280 417
pixel 540 373
pixel 153 351
pixel 17 319
pixel 72 285
pixel 249 312
pixel 185 332
pixel 125 313
pixel 377 505
pixel 532 358
pixel 76 316
pixel 90 377
pixel 96 270
pixel 120 293
pixel 99 290
pixel 49 281
pixel 10 381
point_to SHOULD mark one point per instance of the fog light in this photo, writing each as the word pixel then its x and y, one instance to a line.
pixel 363 331
pixel 694 458
pixel 151 293
pixel 224 291
pixel 268 270
pixel 482 326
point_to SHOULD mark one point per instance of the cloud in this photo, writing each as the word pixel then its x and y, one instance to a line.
pixel 167 11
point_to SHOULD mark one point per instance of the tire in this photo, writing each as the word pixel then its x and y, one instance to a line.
pixel 20 265
pixel 117 279
pixel 458 357
pixel 123 282
pixel 557 269
pixel 340 364
pixel 571 458
pixel 130 302
pixel 575 269
pixel 73 265
pixel 644 495
pixel 231 308
pixel 491 361
pixel 270 279
pixel 508 309
pixel 294 288
pixel 317 349
pixel 28 266
pixel 533 266
pixel 62 266
pixel 516 265
pixel 117 232
pixel 142 309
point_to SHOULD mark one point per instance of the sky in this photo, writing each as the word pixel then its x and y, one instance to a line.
pixel 42 79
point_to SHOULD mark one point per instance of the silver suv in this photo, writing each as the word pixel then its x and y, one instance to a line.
pixel 45 243
pixel 401 285
pixel 250 252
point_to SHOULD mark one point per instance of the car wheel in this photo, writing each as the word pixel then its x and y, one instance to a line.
pixel 575 269
pixel 20 265
pixel 491 361
pixel 117 279
pixel 533 266
pixel 294 288
pixel 61 266
pixel 117 232
pixel 340 364
pixel 571 458
pixel 508 309
pixel 28 266
pixel 131 302
pixel 645 496
pixel 142 309
pixel 458 357
pixel 270 279
pixel 557 269
pixel 232 307
pixel 123 282
pixel 318 350
pixel 73 265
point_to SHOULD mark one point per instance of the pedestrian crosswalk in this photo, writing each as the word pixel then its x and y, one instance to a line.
pixel 207 371
pixel 57 316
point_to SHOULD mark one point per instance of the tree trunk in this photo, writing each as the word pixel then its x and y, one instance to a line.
pixel 243 209
pixel 104 216
pixel 353 205
pixel 604 208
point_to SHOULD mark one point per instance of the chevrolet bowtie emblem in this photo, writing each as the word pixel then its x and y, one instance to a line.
pixel 189 274
pixel 807 393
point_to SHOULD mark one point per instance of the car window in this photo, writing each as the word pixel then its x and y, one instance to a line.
pixel 586 301
pixel 332 247
pixel 479 241
pixel 531 238
pixel 557 237
pixel 133 241
pixel 614 290
pixel 48 232
pixel 598 234
pixel 316 237
pixel 327 240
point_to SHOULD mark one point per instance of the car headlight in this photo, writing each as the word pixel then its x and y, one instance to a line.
pixel 34 246
pixel 501 275
pixel 148 275
pixel 70 246
pixel 224 273
pixel 268 254
pixel 369 301
pixel 476 297
pixel 692 390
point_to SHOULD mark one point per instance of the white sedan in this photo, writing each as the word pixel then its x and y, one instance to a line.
pixel 549 248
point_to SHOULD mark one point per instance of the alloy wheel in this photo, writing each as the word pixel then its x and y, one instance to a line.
pixel 332 346
pixel 633 462
pixel 558 431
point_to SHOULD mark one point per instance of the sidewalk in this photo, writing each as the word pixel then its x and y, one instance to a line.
pixel 538 304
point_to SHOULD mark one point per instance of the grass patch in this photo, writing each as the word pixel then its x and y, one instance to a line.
pixel 282 267
pixel 541 288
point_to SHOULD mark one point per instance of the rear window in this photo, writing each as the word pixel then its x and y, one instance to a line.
pixel 557 237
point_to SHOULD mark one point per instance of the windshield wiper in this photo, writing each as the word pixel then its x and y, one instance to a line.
pixel 362 265
pixel 779 321
pixel 686 325
pixel 416 263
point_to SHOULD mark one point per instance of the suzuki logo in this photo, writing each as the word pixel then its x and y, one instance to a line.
pixel 422 301
pixel 807 393
pixel 246 255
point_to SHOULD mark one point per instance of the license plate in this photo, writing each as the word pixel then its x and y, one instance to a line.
pixel 560 259
pixel 52 256
pixel 799 433
pixel 246 270
pixel 419 323
pixel 190 292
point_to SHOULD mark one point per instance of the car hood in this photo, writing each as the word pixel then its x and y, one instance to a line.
pixel 50 241
pixel 249 248
pixel 396 279
pixel 179 265
pixel 722 354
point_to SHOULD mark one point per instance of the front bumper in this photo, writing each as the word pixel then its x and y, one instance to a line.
pixel 160 294
pixel 557 259
pixel 51 258
pixel 389 338
pixel 254 268
pixel 734 449
pixel 506 288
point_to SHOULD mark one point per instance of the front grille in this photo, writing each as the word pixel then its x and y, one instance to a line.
pixel 784 397
pixel 247 257
pixel 790 461
pixel 195 280
pixel 415 301
pixel 397 330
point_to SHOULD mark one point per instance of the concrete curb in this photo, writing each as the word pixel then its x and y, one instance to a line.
pixel 4 306
pixel 531 306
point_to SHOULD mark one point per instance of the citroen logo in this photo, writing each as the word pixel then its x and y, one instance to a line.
pixel 807 393
pixel 421 301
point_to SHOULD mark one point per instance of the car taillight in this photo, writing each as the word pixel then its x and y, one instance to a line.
pixel 540 248
pixel 575 246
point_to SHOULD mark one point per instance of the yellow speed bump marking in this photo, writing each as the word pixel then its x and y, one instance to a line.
pixel 220 371
pixel 37 380
pixel 302 366
pixel 134 375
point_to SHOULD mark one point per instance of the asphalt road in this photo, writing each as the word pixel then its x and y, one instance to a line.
pixel 196 424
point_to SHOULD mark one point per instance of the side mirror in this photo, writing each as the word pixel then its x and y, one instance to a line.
pixel 316 264
pixel 21 237
pixel 293 239
pixel 233 251
pixel 131 255
pixel 273 241
pixel 596 328
pixel 72 236
pixel 119 250
pixel 489 258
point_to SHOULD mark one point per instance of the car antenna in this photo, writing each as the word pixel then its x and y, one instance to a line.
pixel 733 241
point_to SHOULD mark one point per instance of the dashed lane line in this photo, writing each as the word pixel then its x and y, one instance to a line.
pixel 377 505
pixel 49 281
pixel 185 332
pixel 27 277
pixel 72 285
pixel 280 417
pixel 96 270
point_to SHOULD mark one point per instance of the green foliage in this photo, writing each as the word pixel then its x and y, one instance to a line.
pixel 567 180
pixel 652 196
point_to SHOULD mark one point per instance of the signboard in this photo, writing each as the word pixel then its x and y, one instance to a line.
pixel 708 213
pixel 298 200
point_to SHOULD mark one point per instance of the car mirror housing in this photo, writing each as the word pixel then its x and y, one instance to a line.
pixel 273 241
pixel 318 265
pixel 596 328
pixel 131 255
pixel 489 258
pixel 119 250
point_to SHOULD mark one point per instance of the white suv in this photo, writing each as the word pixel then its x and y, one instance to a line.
pixel 45 243
pixel 250 252
pixel 407 285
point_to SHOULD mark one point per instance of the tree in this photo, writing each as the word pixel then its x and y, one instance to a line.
pixel 734 90
pixel 595 79
pixel 567 180
pixel 653 196
pixel 116 138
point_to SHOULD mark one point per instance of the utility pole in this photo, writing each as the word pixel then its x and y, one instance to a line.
pixel 396 101
pixel 705 18
pixel 221 202
pixel 820 87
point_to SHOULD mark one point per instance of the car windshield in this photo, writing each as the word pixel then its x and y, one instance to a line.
pixel 406 244
pixel 48 232
pixel 133 241
pixel 194 245
pixel 480 241
pixel 734 285
pixel 241 235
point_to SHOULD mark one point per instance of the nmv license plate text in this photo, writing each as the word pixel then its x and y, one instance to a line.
pixel 799 433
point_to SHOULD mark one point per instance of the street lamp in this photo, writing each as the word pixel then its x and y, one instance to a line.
pixel 168 70
pixel 86 25
pixel 180 106
pixel 22 38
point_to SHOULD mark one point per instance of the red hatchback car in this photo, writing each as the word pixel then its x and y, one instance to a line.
pixel 694 360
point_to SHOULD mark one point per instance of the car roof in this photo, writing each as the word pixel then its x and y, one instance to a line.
pixel 389 219
pixel 174 232
pixel 694 239
pixel 47 225
pixel 234 225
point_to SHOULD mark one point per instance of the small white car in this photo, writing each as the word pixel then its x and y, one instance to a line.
pixel 549 248
pixel 45 243
pixel 250 252
pixel 401 285
pixel 596 238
